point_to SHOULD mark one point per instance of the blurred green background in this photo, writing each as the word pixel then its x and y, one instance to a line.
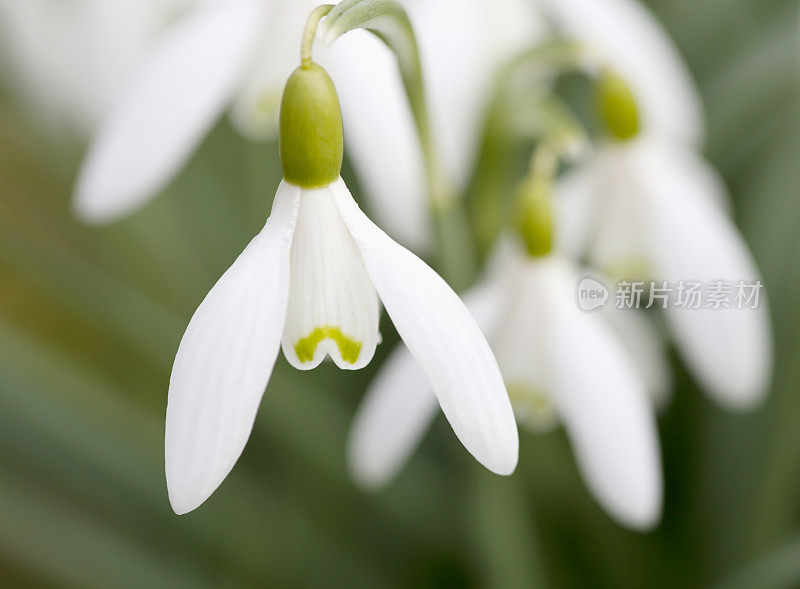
pixel 90 320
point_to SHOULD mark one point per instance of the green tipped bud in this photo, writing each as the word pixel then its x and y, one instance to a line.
pixel 534 215
pixel 311 135
pixel 617 107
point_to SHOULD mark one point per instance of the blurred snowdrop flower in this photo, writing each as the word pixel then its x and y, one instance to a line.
pixel 646 206
pixel 71 59
pixel 237 54
pixel 310 283
pixel 625 36
pixel 559 363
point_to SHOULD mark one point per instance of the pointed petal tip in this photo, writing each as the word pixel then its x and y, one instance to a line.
pixel 89 213
pixel 181 506
pixel 502 459
pixel 367 477
pixel 644 519
pixel 96 201
pixel 86 207
pixel 184 500
pixel 637 505
pixel 744 397
pixel 506 467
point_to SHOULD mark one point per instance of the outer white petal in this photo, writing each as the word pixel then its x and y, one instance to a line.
pixel 380 136
pixel 333 307
pixel 399 406
pixel 690 238
pixel 173 102
pixel 225 359
pixel 255 111
pixel 117 37
pixel 604 407
pixel 626 34
pixel 645 346
pixel 443 338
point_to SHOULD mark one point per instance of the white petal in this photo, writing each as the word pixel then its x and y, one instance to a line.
pixel 225 359
pixel 397 409
pixel 646 348
pixel 575 205
pixel 692 239
pixel 333 307
pixel 618 234
pixel 604 407
pixel 399 406
pixel 380 136
pixel 521 344
pixel 71 59
pixel 178 95
pixel 687 164
pixel 255 111
pixel 626 34
pixel 443 338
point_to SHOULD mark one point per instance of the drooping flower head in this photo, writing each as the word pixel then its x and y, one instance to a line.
pixel 310 283
pixel 647 207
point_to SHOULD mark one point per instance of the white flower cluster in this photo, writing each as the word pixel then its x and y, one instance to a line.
pixel 313 281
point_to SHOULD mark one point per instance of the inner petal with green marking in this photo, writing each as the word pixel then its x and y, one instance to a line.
pixel 333 309
pixel 349 348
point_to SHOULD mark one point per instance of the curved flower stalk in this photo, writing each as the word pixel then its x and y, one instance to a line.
pixel 646 207
pixel 559 363
pixel 310 283
pixel 71 59
pixel 237 53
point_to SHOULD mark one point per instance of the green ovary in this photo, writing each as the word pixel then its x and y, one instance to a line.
pixel 617 107
pixel 348 347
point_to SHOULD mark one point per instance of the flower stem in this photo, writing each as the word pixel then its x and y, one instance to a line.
pixel 310 32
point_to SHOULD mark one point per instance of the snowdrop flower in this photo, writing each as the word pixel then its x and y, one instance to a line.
pixel 71 59
pixel 310 283
pixel 237 54
pixel 647 207
pixel 625 36
pixel 559 363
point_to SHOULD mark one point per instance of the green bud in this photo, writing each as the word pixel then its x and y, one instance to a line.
pixel 534 218
pixel 617 106
pixel 311 135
